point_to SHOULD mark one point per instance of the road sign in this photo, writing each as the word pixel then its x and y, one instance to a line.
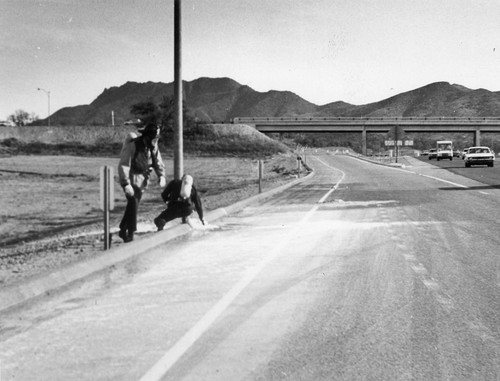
pixel 400 143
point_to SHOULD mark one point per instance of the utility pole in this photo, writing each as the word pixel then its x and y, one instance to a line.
pixel 178 143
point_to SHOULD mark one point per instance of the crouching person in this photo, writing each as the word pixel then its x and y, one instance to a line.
pixel 181 197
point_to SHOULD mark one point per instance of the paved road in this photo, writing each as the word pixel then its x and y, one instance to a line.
pixel 482 173
pixel 362 272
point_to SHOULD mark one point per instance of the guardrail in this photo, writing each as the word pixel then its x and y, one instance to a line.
pixel 368 120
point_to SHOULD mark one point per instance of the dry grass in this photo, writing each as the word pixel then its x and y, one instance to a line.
pixel 89 135
pixel 203 140
pixel 46 194
pixel 50 212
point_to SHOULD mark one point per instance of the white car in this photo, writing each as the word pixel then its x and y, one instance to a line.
pixel 479 156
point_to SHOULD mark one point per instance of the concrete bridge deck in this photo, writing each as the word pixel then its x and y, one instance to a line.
pixel 364 125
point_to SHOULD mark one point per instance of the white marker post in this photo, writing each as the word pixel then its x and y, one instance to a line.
pixel 107 200
pixel 261 171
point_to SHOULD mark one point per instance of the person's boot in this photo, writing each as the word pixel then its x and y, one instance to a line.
pixel 123 235
pixel 130 237
pixel 159 223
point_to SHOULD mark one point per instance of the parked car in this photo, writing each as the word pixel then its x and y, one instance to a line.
pixel 425 152
pixel 464 152
pixel 433 154
pixel 479 156
pixel 456 153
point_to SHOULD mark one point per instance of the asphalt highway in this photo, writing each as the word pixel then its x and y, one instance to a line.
pixel 362 272
pixel 487 175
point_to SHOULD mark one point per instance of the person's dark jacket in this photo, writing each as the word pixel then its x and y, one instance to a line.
pixel 171 194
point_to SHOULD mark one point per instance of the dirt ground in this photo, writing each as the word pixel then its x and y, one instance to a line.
pixel 50 205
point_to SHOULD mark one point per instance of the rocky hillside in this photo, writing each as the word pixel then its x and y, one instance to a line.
pixel 221 99
pixel 436 99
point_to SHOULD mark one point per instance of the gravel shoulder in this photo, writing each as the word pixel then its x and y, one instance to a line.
pixel 50 215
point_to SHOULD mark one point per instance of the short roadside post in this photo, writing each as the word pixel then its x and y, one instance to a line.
pixel 261 172
pixel 107 200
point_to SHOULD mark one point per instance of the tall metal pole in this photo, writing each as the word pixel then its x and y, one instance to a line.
pixel 178 143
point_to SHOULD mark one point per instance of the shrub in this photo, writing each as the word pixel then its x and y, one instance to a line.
pixel 199 139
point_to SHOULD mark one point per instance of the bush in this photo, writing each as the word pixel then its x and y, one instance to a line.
pixel 200 140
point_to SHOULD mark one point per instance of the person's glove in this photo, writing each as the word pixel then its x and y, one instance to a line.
pixel 129 190
pixel 162 181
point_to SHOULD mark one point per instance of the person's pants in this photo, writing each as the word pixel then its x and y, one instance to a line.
pixel 174 210
pixel 129 220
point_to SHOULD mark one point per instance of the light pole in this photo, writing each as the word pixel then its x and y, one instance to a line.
pixel 178 122
pixel 48 98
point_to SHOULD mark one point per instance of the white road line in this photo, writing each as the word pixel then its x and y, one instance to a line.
pixel 430 177
pixel 444 181
pixel 322 200
pixel 185 342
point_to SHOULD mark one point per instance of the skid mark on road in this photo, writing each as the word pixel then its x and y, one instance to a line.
pixel 423 274
pixel 358 204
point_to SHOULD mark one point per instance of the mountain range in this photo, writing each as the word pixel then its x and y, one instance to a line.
pixel 221 99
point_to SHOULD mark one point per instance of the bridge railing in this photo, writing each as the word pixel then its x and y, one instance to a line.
pixel 360 120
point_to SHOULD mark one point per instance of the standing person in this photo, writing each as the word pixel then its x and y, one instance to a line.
pixel 181 196
pixel 138 158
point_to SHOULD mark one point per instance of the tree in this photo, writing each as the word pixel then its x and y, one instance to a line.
pixel 162 114
pixel 22 118
pixel 147 112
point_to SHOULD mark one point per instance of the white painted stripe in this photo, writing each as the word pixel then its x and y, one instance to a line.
pixel 322 200
pixel 446 181
pixel 428 176
pixel 185 342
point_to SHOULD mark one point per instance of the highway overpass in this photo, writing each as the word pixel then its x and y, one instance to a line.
pixel 364 125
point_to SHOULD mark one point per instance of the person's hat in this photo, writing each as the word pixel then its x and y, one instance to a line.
pixel 150 130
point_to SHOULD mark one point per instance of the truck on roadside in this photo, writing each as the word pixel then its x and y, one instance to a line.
pixel 444 149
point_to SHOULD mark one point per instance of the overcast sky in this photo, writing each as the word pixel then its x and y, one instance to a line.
pixel 357 51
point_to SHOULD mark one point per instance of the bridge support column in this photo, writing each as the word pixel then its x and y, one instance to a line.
pixel 477 137
pixel 363 141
